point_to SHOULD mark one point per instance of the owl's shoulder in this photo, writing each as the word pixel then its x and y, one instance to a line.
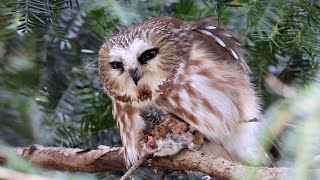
pixel 218 42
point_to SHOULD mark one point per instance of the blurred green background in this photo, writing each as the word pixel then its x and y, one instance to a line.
pixel 50 92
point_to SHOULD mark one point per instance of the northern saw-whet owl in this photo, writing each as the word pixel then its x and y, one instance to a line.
pixel 192 70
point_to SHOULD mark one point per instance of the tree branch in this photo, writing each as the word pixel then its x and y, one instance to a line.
pixel 111 159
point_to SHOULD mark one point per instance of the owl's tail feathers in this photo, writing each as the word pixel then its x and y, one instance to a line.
pixel 245 147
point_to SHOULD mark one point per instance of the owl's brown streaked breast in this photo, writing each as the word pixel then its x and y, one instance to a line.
pixel 144 93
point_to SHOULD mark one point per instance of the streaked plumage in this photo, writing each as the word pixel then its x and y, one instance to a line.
pixel 198 75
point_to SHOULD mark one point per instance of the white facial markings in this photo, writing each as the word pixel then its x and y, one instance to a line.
pixel 129 55
pixel 137 47
pixel 114 54
pixel 152 73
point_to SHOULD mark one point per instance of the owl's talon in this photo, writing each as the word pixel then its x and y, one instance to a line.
pixel 194 147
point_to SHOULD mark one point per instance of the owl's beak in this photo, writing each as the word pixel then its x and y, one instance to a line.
pixel 135 76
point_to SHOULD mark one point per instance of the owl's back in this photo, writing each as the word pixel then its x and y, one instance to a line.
pixel 212 92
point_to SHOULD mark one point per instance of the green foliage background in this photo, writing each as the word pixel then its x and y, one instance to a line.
pixel 50 91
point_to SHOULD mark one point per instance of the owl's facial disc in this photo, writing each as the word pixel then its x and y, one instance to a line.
pixel 135 69
pixel 143 59
pixel 136 65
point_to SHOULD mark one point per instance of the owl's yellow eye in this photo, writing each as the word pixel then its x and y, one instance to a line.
pixel 147 55
pixel 116 65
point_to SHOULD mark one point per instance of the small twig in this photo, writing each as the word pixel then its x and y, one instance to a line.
pixel 219 3
pixel 135 166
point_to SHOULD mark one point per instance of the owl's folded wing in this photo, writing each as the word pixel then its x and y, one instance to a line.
pixel 221 36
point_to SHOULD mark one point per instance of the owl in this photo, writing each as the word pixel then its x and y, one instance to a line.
pixel 192 70
pixel 166 134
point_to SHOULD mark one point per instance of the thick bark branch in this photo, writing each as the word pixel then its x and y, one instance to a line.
pixel 111 158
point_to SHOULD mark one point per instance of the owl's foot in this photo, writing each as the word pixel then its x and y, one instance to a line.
pixel 197 143
pixel 194 147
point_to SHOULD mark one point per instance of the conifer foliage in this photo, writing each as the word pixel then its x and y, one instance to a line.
pixel 49 86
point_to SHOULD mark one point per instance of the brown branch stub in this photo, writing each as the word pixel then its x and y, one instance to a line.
pixel 111 159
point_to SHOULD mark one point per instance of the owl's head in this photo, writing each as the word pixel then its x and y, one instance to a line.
pixel 136 63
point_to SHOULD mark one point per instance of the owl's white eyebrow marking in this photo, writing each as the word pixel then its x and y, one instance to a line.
pixel 214 36
pixel 234 54
pixel 210 27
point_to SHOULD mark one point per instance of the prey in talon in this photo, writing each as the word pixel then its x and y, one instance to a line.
pixel 166 134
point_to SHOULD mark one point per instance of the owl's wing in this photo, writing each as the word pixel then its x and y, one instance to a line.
pixel 223 37
pixel 212 94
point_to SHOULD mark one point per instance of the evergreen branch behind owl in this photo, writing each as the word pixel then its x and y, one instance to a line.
pixel 193 70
